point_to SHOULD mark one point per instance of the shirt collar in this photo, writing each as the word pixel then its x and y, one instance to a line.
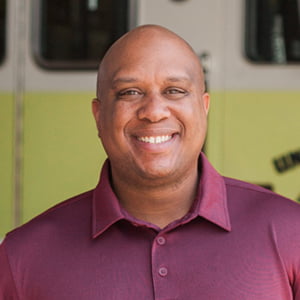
pixel 106 207
pixel 211 199
pixel 210 202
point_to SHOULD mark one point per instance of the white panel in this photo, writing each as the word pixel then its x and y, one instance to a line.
pixel 242 74
pixel 217 27
pixel 200 22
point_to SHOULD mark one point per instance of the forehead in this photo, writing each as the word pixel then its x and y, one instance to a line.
pixel 147 56
pixel 168 59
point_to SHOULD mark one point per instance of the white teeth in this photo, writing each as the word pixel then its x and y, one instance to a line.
pixel 155 139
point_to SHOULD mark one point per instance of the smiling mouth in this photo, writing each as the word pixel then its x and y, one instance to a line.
pixel 155 139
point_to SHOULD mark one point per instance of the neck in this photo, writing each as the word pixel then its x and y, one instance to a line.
pixel 161 204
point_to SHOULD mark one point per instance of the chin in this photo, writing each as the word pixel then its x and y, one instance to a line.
pixel 157 172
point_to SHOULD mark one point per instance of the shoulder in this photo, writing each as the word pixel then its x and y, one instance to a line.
pixel 259 202
pixel 245 186
pixel 267 220
pixel 62 218
pixel 252 191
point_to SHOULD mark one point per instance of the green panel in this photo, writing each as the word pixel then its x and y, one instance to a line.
pixel 215 135
pixel 259 127
pixel 62 153
pixel 6 163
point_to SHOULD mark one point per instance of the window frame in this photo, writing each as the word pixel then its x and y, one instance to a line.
pixel 251 51
pixel 66 65
pixel 3 41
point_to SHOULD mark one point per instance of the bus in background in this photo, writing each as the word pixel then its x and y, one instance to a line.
pixel 49 54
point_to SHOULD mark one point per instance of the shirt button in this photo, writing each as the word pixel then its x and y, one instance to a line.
pixel 161 240
pixel 163 271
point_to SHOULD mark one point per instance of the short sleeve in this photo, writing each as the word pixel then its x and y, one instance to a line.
pixel 7 285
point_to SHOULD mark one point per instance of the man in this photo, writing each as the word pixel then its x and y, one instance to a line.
pixel 162 223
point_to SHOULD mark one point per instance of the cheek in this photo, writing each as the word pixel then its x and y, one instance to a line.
pixel 198 123
pixel 195 113
pixel 116 117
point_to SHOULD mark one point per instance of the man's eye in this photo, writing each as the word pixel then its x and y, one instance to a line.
pixel 130 92
pixel 175 92
pixel 126 93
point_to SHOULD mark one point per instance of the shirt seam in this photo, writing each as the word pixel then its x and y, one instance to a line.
pixel 59 205
pixel 253 189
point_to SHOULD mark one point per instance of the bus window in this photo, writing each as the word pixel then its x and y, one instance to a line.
pixel 2 28
pixel 273 31
pixel 74 34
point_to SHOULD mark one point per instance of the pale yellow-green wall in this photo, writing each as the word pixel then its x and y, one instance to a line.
pixel 251 129
pixel 62 153
pixel 6 162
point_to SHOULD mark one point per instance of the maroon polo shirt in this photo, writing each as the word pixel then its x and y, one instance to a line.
pixel 237 242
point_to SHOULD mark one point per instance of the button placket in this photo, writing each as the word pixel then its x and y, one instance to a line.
pixel 162 266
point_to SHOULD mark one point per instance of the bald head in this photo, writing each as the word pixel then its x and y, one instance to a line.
pixel 151 108
pixel 147 41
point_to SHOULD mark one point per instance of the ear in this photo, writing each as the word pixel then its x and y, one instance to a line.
pixel 206 102
pixel 96 109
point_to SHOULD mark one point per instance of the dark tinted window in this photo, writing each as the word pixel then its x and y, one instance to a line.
pixel 76 33
pixel 273 31
pixel 2 28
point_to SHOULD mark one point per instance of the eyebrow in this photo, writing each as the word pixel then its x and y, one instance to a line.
pixel 177 79
pixel 125 79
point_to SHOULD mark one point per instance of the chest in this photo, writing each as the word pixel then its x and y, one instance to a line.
pixel 193 262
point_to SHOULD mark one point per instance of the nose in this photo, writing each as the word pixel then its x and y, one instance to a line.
pixel 153 109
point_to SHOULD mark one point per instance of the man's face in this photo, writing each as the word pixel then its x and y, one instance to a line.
pixel 152 111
